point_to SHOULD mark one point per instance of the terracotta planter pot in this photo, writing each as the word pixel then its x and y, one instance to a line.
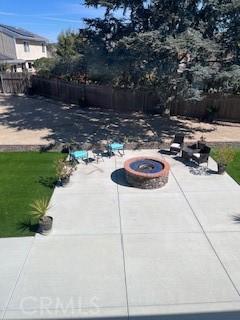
pixel 221 168
pixel 45 225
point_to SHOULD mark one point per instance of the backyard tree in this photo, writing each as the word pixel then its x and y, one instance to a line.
pixel 184 48
pixel 44 66
pixel 66 45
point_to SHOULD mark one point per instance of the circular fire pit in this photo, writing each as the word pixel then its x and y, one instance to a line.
pixel 146 172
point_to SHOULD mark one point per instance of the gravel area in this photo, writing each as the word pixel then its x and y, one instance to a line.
pixel 38 121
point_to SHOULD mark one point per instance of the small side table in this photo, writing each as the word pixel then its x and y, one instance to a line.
pixel 98 154
pixel 187 153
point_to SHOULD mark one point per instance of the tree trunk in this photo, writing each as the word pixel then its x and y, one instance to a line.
pixel 168 104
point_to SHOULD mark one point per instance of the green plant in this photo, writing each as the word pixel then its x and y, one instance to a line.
pixel 63 170
pixel 224 155
pixel 40 207
pixel 212 110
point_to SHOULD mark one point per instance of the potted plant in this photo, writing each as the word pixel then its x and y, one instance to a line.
pixel 210 113
pixel 223 156
pixel 63 171
pixel 39 210
pixel 69 146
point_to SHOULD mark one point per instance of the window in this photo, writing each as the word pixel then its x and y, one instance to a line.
pixel 29 65
pixel 26 47
pixel 43 48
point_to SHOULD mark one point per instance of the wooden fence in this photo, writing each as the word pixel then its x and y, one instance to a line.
pixel 14 82
pixel 134 100
pixel 228 107
pixel 122 100
pixel 98 96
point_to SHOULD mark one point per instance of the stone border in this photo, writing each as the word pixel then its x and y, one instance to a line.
pixel 146 180
pixel 20 148
pixel 163 172
pixel 128 146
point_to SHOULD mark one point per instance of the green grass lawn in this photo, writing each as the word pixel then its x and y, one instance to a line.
pixel 24 177
pixel 233 168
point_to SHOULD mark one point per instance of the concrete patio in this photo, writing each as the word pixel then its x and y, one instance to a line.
pixel 119 252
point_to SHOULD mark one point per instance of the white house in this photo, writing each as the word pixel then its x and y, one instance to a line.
pixel 20 48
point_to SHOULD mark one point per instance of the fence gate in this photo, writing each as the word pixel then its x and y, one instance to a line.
pixel 14 82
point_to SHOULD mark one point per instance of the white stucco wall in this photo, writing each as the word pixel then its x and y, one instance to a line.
pixel 34 53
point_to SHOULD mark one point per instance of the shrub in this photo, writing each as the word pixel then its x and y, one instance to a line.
pixel 224 155
pixel 40 207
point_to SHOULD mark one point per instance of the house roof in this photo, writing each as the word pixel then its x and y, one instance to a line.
pixel 9 60
pixel 19 33
pixel 4 57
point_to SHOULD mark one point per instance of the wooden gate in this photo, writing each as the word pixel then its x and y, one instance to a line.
pixel 14 82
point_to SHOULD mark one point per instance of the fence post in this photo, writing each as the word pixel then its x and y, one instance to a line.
pixel 1 79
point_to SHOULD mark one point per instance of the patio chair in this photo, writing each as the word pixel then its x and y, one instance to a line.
pixel 98 153
pixel 113 147
pixel 177 143
pixel 202 156
pixel 79 155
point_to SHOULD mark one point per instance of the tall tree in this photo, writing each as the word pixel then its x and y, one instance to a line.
pixel 66 45
pixel 184 48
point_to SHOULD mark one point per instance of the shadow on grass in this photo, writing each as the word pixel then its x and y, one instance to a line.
pixel 48 182
pixel 27 225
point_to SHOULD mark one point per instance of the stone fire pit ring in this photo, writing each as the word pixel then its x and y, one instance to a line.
pixel 146 172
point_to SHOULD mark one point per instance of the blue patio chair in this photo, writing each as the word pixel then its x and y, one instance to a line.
pixel 113 147
pixel 79 155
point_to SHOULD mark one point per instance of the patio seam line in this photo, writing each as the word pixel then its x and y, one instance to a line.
pixel 223 231
pixel 122 245
pixel 207 238
pixel 18 278
pixel 80 308
pixel 127 233
pixel 137 306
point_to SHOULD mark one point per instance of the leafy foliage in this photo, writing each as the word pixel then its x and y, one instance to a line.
pixel 40 207
pixel 44 66
pixel 185 48
pixel 224 155
pixel 63 169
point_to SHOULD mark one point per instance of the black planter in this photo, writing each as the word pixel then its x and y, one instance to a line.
pixel 63 181
pixel 65 149
pixel 45 225
pixel 221 168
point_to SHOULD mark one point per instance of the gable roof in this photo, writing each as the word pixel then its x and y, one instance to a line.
pixel 4 57
pixel 9 60
pixel 19 33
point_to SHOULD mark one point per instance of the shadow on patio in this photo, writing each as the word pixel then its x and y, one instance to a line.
pixel 65 122
pixel 225 315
